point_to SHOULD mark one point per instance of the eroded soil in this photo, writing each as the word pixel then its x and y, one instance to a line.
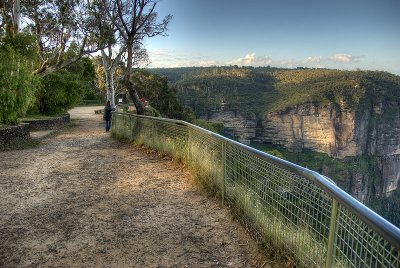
pixel 83 199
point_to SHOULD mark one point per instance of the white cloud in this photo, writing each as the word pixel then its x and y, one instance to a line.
pixel 313 59
pixel 165 58
pixel 171 58
pixel 344 58
pixel 251 59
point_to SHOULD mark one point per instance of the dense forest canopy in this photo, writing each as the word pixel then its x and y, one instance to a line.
pixel 255 91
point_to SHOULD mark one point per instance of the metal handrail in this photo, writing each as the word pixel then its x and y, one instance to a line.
pixel 376 222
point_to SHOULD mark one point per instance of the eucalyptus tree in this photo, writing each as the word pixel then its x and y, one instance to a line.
pixel 59 25
pixel 111 58
pixel 134 20
pixel 8 17
pixel 16 15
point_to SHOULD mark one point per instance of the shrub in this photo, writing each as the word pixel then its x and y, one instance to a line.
pixel 64 88
pixel 59 92
pixel 17 83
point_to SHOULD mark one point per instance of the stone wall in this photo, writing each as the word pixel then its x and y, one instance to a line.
pixel 12 135
pixel 44 124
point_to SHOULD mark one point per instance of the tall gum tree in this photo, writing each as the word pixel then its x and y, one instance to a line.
pixel 134 21
pixel 58 24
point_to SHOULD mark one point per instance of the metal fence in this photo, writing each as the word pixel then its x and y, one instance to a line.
pixel 290 207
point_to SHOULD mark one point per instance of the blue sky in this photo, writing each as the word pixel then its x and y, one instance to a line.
pixel 342 34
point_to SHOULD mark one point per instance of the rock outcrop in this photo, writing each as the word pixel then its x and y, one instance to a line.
pixel 351 116
pixel 335 129
pixel 235 125
pixel 307 126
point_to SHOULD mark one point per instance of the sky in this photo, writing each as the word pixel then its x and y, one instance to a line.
pixel 338 34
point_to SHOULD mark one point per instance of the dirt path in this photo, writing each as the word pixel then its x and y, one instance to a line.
pixel 84 199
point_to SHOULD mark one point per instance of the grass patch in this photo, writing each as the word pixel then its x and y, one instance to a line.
pixel 284 225
pixel 287 239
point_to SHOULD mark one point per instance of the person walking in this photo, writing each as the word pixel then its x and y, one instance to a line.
pixel 108 115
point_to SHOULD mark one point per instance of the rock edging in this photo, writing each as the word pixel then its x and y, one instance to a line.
pixel 12 135
pixel 45 124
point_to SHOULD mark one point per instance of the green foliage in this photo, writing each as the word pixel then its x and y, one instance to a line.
pixel 23 44
pixel 388 207
pixel 156 91
pixel 17 83
pixel 63 89
pixel 276 153
pixel 212 126
pixel 85 68
pixel 150 111
pixel 342 172
pixel 252 92
pixel 240 89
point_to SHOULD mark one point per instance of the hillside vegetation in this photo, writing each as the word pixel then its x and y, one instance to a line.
pixel 255 91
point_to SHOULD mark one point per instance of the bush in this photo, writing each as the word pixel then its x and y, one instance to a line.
pixel 276 153
pixel 64 88
pixel 17 83
pixel 59 92
pixel 212 126
pixel 155 89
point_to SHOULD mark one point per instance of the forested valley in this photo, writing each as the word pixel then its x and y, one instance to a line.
pixel 343 124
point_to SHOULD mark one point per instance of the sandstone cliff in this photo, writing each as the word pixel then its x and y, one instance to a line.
pixel 344 124
pixel 337 130
pixel 340 132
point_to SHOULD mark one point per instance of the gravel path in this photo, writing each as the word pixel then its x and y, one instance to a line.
pixel 82 199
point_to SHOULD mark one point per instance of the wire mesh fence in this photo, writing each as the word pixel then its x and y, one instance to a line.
pixel 280 203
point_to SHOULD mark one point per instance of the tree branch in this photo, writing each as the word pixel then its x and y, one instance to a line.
pixel 121 16
pixel 147 17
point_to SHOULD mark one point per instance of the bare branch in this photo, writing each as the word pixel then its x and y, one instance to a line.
pixel 121 17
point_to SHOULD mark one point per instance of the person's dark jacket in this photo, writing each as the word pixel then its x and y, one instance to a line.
pixel 107 112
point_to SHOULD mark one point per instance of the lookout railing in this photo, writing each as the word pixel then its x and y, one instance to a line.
pixel 280 203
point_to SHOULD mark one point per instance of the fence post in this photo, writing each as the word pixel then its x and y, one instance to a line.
pixel 114 124
pixel 130 128
pixel 223 151
pixel 330 254
pixel 189 147
pixel 154 132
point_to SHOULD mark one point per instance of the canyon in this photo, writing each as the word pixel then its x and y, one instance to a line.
pixel 342 124
pixel 339 132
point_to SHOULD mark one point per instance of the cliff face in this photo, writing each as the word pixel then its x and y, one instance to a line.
pixel 307 126
pixel 334 129
pixel 351 116
pixel 235 125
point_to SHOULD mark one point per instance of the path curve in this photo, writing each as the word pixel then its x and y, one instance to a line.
pixel 84 199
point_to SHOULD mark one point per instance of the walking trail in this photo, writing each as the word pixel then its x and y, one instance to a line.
pixel 81 198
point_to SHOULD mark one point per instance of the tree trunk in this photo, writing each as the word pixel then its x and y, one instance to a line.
pixel 108 73
pixel 127 80
pixel 135 97
pixel 112 86
pixel 16 15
